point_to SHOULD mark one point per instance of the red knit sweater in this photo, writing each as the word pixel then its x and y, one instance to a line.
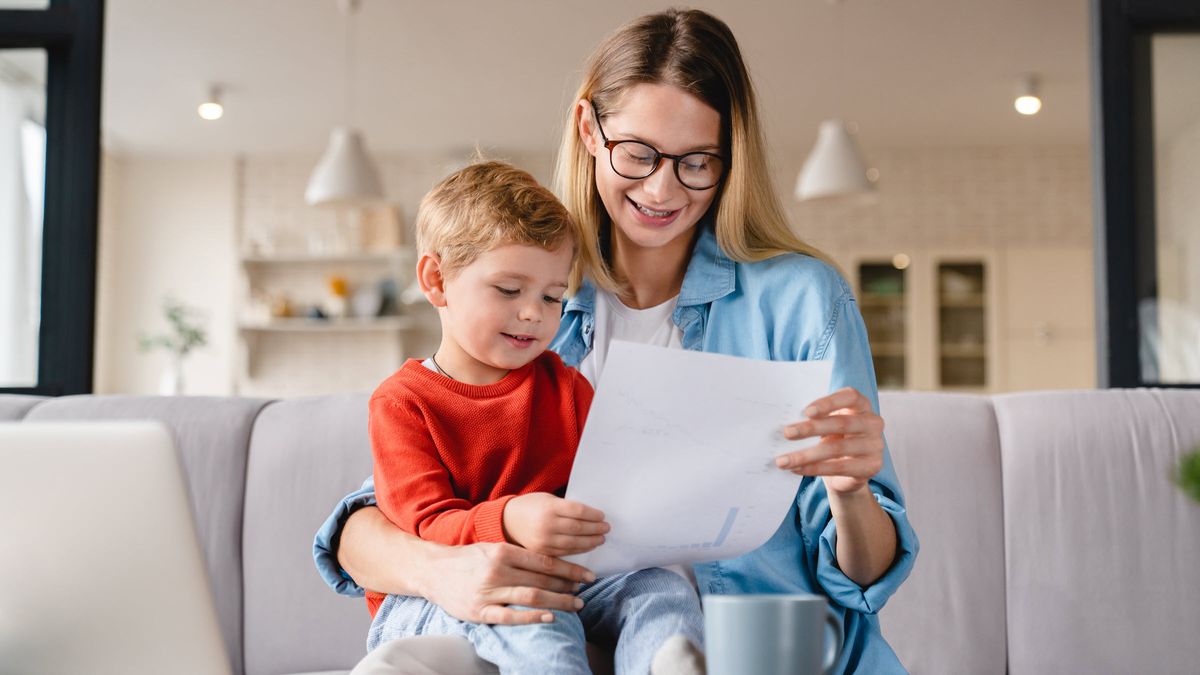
pixel 449 455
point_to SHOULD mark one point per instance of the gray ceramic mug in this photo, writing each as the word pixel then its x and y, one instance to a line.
pixel 780 634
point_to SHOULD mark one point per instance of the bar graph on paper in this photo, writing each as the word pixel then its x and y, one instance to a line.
pixel 722 535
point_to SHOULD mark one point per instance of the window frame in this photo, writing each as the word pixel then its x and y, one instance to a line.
pixel 71 32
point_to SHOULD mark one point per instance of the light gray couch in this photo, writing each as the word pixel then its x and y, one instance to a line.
pixel 1051 538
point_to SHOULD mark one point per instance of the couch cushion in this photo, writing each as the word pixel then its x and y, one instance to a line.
pixel 305 455
pixel 948 617
pixel 212 435
pixel 15 406
pixel 1102 547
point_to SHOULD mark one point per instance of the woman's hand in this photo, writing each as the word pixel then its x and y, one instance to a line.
pixel 850 451
pixel 477 583
pixel 848 455
pixel 473 583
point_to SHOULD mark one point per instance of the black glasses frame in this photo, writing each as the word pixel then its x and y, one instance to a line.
pixel 658 158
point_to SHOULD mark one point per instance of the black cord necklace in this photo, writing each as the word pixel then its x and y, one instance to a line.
pixel 439 368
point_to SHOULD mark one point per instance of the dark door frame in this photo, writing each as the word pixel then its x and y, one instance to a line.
pixel 71 32
pixel 1123 163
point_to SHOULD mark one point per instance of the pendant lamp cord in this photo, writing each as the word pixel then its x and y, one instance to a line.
pixel 347 82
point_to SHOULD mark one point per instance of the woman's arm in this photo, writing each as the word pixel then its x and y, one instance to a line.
pixel 473 583
pixel 866 543
pixel 854 519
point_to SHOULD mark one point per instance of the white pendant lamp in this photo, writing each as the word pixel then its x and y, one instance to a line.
pixel 834 167
pixel 345 176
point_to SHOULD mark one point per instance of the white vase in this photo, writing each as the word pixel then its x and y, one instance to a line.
pixel 170 383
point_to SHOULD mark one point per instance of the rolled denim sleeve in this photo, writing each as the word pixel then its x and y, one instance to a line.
pixel 842 589
pixel 326 541
pixel 845 344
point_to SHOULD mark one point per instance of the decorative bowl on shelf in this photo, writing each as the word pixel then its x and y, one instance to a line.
pixel 366 301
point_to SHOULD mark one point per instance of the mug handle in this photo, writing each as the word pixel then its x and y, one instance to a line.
pixel 833 649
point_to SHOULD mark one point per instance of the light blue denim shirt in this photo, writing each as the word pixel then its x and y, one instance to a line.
pixel 791 307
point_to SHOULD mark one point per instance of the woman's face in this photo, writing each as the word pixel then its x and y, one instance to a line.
pixel 657 211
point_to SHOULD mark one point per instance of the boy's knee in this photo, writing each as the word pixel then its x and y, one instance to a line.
pixel 663 580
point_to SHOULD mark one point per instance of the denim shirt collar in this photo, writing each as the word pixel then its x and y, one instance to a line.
pixel 710 275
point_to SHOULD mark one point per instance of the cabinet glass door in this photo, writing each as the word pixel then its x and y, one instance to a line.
pixel 962 338
pixel 883 297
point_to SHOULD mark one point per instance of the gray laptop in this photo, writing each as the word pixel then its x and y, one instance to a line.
pixel 100 571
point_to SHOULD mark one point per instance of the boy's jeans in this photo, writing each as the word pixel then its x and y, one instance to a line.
pixel 634 612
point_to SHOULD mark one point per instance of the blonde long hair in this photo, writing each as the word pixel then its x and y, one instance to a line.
pixel 695 51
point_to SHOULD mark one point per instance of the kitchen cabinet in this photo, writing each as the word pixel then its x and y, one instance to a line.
pixel 977 320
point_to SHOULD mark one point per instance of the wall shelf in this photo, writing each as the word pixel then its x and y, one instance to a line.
pixel 966 300
pixel 297 355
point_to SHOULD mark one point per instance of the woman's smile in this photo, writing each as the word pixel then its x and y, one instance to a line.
pixel 653 217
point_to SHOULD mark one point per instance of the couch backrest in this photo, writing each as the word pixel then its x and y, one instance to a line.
pixel 1103 551
pixel 213 436
pixel 949 616
pixel 306 454
pixel 1086 562
pixel 14 407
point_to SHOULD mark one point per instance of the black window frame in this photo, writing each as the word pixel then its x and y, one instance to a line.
pixel 71 32
pixel 1123 156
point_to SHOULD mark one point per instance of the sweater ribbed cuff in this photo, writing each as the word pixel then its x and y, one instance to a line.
pixel 489 520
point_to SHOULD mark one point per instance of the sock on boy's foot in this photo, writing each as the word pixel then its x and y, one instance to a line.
pixel 678 656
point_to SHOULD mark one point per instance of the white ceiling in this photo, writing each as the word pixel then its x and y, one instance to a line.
pixel 456 73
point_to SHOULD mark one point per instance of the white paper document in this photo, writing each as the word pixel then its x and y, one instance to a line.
pixel 679 453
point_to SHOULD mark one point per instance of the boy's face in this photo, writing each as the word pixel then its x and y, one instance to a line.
pixel 502 310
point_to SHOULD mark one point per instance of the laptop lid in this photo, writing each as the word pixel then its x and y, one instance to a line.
pixel 100 570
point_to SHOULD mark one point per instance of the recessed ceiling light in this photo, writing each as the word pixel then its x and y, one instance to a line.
pixel 1028 101
pixel 212 109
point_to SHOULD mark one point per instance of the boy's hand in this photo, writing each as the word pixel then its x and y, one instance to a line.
pixel 550 525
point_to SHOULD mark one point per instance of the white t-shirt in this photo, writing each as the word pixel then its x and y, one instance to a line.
pixel 615 321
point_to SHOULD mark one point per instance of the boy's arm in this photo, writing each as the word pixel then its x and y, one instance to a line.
pixel 412 487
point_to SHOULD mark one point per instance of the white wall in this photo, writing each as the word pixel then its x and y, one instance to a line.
pixel 167 227
pixel 955 198
pixel 175 225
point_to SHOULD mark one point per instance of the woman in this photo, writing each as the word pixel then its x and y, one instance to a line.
pixel 662 158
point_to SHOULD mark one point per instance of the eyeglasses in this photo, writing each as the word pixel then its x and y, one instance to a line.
pixel 636 160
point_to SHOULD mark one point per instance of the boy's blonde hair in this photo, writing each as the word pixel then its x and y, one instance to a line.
pixel 695 51
pixel 490 204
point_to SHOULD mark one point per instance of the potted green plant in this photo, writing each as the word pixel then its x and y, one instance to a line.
pixel 186 334
pixel 1187 476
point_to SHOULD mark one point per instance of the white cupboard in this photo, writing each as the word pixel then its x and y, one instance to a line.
pixel 977 320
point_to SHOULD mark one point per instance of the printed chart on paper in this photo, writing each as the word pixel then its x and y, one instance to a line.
pixel 679 453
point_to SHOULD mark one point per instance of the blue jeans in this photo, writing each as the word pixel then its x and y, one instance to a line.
pixel 632 613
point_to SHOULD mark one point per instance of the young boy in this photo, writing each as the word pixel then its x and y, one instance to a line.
pixel 476 443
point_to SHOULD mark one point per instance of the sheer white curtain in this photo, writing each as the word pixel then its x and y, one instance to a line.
pixel 22 180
